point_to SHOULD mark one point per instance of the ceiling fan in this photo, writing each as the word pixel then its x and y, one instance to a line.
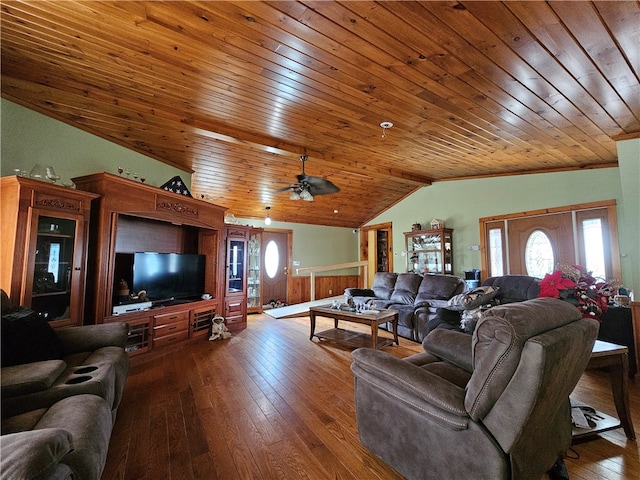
pixel 308 186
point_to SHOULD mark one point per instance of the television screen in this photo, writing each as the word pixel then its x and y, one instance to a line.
pixel 169 275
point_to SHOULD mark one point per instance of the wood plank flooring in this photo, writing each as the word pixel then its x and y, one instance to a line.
pixel 269 404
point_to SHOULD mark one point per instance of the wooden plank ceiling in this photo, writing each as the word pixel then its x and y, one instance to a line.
pixel 237 91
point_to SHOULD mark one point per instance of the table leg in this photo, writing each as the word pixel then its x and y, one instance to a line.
pixel 312 317
pixel 374 334
pixel 619 374
pixel 395 329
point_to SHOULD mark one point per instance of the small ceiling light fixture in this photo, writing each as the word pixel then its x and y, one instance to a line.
pixel 267 219
pixel 385 126
pixel 306 195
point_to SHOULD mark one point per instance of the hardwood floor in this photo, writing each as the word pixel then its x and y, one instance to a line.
pixel 269 404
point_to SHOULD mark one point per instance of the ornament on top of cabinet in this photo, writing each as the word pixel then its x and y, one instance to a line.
pixel 436 224
pixel 416 227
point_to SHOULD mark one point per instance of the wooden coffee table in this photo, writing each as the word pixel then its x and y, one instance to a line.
pixel 351 338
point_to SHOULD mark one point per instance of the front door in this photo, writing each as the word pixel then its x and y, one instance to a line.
pixel 538 244
pixel 275 266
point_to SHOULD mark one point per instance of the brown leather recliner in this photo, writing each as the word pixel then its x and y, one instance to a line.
pixel 494 405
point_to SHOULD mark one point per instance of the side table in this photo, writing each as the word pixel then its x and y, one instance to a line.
pixel 615 359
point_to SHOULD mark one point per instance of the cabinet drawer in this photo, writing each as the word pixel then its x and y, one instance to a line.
pixel 170 339
pixel 171 328
pixel 231 319
pixel 171 318
pixel 234 307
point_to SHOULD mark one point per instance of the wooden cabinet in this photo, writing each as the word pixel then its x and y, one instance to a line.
pixel 139 337
pixel 44 248
pixel 430 251
pixel 133 217
pixel 235 297
pixel 170 328
pixel 201 320
pixel 254 283
pixel 163 326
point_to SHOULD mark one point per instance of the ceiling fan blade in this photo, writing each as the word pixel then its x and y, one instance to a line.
pixel 310 184
pixel 320 186
pixel 286 189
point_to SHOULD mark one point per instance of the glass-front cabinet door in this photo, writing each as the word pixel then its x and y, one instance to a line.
pixel 54 250
pixel 235 298
pixel 44 242
pixel 236 266
pixel 430 251
pixel 254 286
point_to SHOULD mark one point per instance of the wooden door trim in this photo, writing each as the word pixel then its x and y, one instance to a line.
pixel 364 246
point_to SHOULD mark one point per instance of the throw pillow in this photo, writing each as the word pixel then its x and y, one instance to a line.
pixel 472 299
pixel 27 338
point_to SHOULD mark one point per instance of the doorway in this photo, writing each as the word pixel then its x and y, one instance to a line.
pixel 276 257
pixel 376 247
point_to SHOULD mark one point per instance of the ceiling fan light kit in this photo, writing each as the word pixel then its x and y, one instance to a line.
pixel 309 186
pixel 306 196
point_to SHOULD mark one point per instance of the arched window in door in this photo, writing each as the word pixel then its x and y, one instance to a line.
pixel 539 258
pixel 271 259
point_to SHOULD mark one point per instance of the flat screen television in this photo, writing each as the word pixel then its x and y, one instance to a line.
pixel 167 276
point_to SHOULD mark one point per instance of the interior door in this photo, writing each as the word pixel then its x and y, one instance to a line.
pixel 275 266
pixel 558 229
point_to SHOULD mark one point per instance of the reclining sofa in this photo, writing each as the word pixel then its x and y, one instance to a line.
pixel 415 297
pixel 504 289
pixel 60 394
pixel 492 405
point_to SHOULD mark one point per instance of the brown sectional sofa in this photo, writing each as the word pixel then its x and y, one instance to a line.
pixel 416 297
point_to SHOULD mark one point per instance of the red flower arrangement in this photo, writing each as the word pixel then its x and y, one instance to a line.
pixel 574 284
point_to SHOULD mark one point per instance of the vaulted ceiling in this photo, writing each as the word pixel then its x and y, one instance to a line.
pixel 237 91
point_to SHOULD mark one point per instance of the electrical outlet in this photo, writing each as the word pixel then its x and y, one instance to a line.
pixel 330 292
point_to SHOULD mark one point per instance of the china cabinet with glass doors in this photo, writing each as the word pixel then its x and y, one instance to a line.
pixel 44 248
pixel 254 286
pixel 235 298
pixel 430 251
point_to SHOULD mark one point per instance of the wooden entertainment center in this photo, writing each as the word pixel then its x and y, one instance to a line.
pixel 130 217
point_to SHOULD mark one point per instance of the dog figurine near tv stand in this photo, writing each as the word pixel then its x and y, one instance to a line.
pixel 219 330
